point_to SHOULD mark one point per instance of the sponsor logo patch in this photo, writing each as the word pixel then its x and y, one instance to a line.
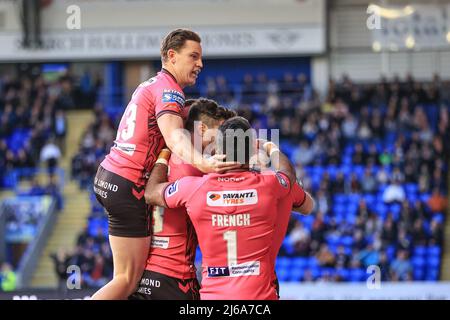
pixel 172 189
pixel 232 198
pixel 173 96
pixel 160 242
pixel 239 270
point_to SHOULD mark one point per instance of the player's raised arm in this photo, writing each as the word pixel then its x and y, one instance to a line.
pixel 307 207
pixel 303 202
pixel 179 142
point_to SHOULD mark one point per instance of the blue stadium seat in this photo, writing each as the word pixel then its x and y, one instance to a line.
pixel 418 262
pixel 352 208
pixel 296 274
pixel 347 241
pixel 418 274
pixel 438 217
pixel 434 251
pixel 287 246
pixel 390 252
pixel 354 198
pixel 316 272
pixel 299 262
pixel 340 198
pixel 283 274
pixel 419 251
pixel 370 200
pixel 357 275
pixel 312 262
pixel 349 149
pixel 424 197
pixel 343 273
pixel 333 240
pixel 433 262
pixel 339 209
pixel 432 275
pixel 351 219
pixel 411 188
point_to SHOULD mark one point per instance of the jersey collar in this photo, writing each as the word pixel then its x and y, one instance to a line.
pixel 163 70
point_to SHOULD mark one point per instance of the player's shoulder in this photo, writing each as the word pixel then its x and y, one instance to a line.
pixel 167 84
pixel 275 178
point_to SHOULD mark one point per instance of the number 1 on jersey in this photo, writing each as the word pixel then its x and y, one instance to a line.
pixel 231 238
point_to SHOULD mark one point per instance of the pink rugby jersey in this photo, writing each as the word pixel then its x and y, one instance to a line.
pixel 139 140
pixel 234 216
pixel 174 241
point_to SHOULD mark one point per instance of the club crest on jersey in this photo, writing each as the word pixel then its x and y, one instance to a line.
pixel 172 189
pixel 282 180
pixel 173 96
pixel 232 198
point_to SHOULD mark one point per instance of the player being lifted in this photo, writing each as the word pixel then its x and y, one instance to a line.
pixel 151 120
pixel 234 215
pixel 170 272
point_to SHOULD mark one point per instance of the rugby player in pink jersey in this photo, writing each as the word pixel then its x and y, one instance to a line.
pixel 234 215
pixel 153 118
pixel 170 273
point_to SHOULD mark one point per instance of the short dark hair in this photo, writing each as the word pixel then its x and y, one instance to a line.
pixel 235 138
pixel 176 39
pixel 206 110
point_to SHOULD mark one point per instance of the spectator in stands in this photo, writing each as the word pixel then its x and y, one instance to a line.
pixel 401 268
pixel 9 278
pixel 100 273
pixel 436 233
pixel 53 189
pixel 50 155
pixel 384 265
pixel 369 255
pixel 342 259
pixel 358 155
pixel 325 257
pixel 419 235
pixel 389 232
pixel 61 261
pixel 83 236
pixel 368 182
pixel 338 185
pixel 437 202
pixel 300 239
pixel 394 193
pixel 60 130
pixel 382 176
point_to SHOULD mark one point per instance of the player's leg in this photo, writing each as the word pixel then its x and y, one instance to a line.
pixel 129 232
pixel 129 256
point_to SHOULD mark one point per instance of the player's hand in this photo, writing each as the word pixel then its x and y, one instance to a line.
pixel 267 146
pixel 215 164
